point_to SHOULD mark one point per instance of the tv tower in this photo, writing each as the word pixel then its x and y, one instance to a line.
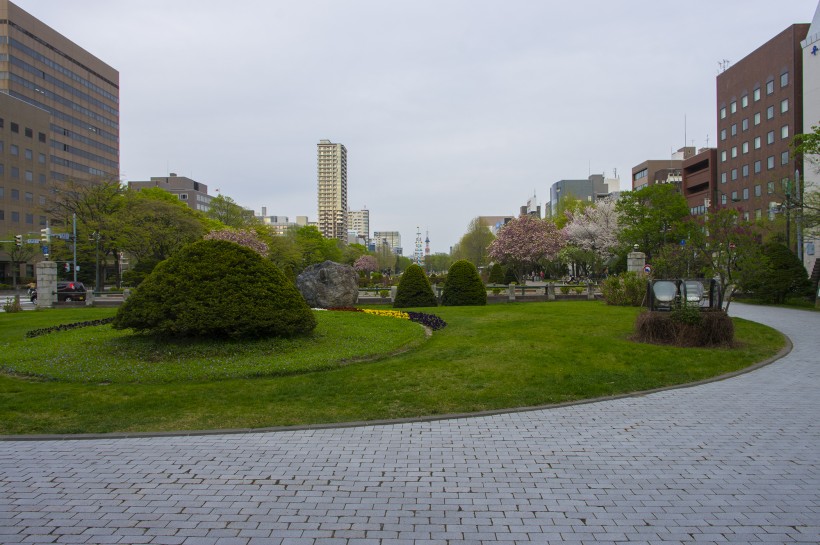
pixel 427 244
pixel 418 255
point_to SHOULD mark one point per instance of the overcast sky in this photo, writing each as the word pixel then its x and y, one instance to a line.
pixel 448 109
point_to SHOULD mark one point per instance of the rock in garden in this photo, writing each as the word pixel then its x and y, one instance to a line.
pixel 328 285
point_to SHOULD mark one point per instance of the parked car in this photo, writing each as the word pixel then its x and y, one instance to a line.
pixel 70 291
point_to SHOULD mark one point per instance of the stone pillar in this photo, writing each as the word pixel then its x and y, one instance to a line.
pixel 46 284
pixel 393 291
pixel 551 291
pixel 635 262
pixel 590 291
pixel 511 292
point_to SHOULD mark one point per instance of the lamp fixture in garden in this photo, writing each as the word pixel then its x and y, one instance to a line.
pixel 671 294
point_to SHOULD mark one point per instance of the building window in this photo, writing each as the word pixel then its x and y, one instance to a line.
pixel 29 176
pixel 723 134
pixel 756 94
pixel 734 195
pixel 734 129
pixel 734 174
pixel 784 105
pixel 15 217
pixel 15 172
pixel 758 190
pixel 784 158
pixel 723 156
pixel 770 188
pixel 41 136
pixel 41 158
pixel 29 197
pixel 744 101
pixel 745 193
pixel 757 142
pixel 757 119
pixel 14 150
pixel 41 179
pixel 770 162
pixel 29 219
pixel 744 147
pixel 723 113
pixel 770 137
pixel 29 155
pixel 784 131
pixel 784 79
pixel 745 171
pixel 758 214
pixel 734 152
pixel 745 216
pixel 733 107
pixel 722 198
pixel 29 133
pixel 15 194
pixel 770 112
pixel 15 128
pixel 757 167
pixel 723 177
pixel 770 87
pixel 745 124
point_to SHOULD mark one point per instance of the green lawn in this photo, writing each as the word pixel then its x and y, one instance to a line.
pixel 356 367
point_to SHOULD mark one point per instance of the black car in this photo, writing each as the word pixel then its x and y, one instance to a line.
pixel 66 292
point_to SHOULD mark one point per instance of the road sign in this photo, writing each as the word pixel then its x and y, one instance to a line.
pixel 62 236
pixel 32 241
pixel 45 250
pixel 647 269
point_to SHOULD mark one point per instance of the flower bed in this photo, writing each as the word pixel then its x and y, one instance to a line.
pixel 428 320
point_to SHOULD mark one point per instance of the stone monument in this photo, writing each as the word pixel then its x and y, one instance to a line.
pixel 328 285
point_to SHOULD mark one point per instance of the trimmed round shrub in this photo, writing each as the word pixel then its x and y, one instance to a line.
pixel 414 289
pixel 216 289
pixel 781 275
pixel 463 286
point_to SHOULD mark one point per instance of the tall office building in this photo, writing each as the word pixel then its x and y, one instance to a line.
pixel 59 120
pixel 760 109
pixel 359 221
pixel 332 189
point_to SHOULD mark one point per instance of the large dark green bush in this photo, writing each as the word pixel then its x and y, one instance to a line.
pixel 414 289
pixel 777 275
pixel 463 286
pixel 216 289
pixel 626 289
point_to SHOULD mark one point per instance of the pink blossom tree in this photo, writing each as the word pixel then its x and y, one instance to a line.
pixel 245 237
pixel 594 229
pixel 525 242
pixel 366 264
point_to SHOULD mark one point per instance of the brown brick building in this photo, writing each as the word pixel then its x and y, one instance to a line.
pixel 760 109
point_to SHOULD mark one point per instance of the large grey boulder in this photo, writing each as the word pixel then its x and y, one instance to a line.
pixel 328 285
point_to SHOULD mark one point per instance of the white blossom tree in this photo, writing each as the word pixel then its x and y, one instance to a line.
pixel 595 229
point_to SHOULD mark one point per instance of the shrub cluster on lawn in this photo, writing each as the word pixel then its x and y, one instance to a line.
pixel 626 290
pixel 688 327
pixel 414 289
pixel 216 289
pixel 463 286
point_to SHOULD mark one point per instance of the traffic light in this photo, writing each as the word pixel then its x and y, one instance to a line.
pixel 18 240
pixel 45 234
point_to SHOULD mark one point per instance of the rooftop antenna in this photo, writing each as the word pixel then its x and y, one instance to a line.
pixel 724 65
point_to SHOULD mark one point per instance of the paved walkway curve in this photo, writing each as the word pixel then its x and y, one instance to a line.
pixel 732 461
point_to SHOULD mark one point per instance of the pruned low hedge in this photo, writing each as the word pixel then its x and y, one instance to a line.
pixel 711 328
pixel 66 327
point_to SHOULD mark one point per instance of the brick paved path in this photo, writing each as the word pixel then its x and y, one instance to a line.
pixel 733 461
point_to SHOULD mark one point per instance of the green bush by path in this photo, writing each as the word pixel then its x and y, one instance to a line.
pixel 497 274
pixel 414 289
pixel 216 289
pixel 488 357
pixel 625 289
pixel 463 286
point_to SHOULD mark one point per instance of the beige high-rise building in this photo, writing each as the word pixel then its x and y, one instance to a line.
pixel 332 189
pixel 359 221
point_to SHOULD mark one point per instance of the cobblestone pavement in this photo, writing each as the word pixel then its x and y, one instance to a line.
pixel 732 461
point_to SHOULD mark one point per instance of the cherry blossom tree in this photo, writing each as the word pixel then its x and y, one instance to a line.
pixel 366 264
pixel 245 237
pixel 594 229
pixel 525 242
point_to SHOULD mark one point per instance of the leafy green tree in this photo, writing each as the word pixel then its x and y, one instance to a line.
pixel 18 256
pixel 652 217
pixel 474 243
pixel 226 211
pixel 496 274
pixel 314 248
pixel 463 286
pixel 438 262
pixel 216 289
pixel 286 254
pixel 414 289
pixel 775 274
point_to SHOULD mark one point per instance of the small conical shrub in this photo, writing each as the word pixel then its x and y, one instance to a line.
pixel 463 286
pixel 414 289
pixel 496 274
pixel 216 289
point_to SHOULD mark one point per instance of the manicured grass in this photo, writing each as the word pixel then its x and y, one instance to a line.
pixel 494 357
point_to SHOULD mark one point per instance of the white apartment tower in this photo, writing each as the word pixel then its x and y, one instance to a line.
pixel 359 221
pixel 332 189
